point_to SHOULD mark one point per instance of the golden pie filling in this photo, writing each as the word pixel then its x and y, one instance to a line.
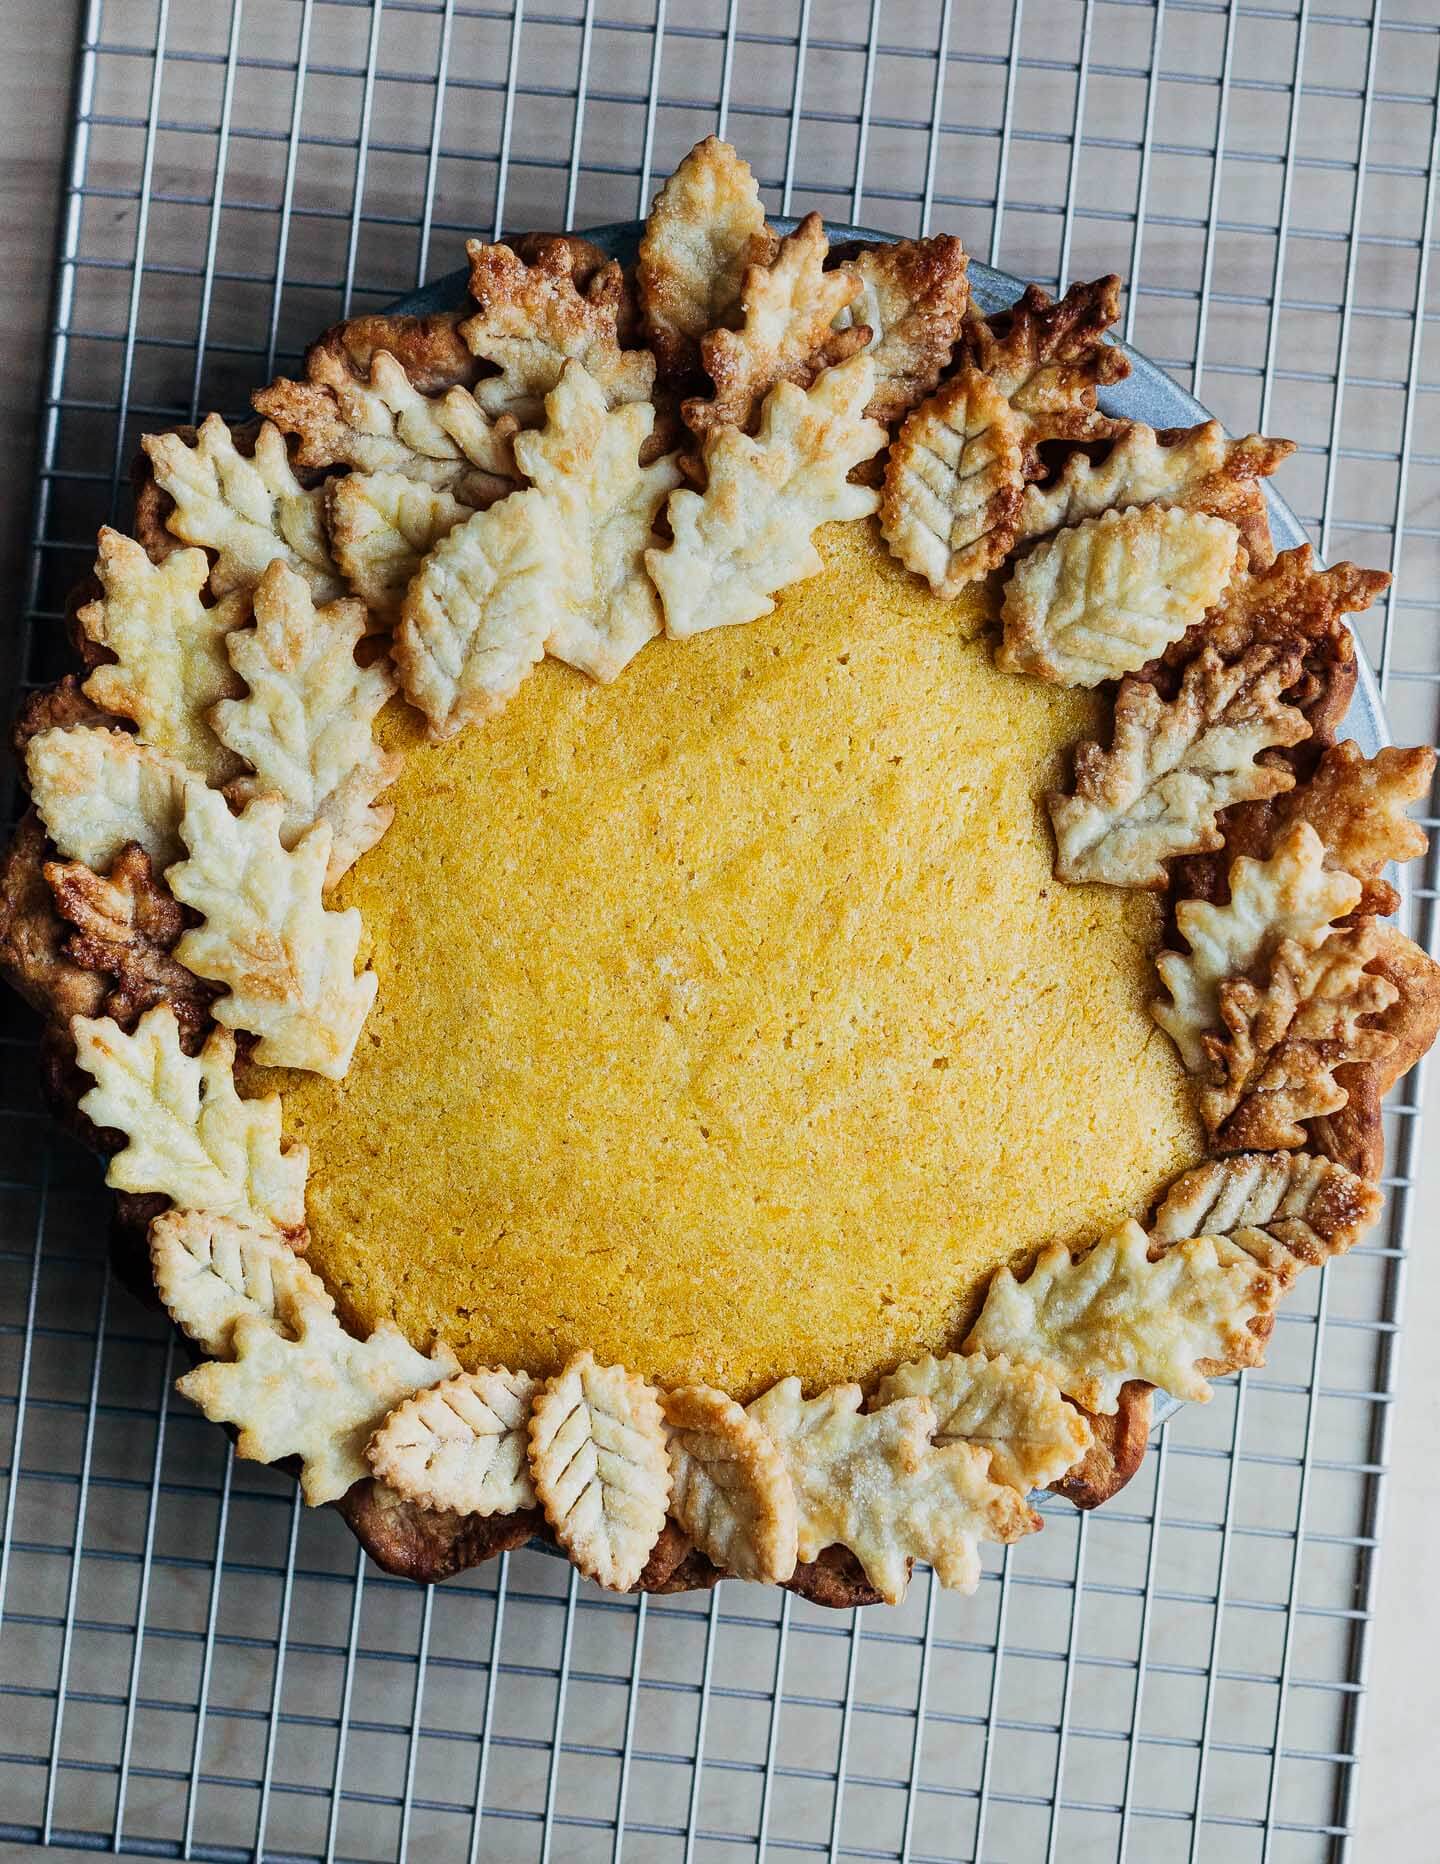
pixel 731 1022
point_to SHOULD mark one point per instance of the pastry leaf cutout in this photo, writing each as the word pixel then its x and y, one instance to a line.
pixel 1104 597
pixel 731 1493
pixel 748 534
pixel 288 964
pixel 1013 1411
pixel 249 511
pixel 1274 1065
pixel 913 297
pixel 875 1482
pixel 1289 1210
pixel 211 1270
pixel 706 228
pixel 382 527
pixel 170 664
pixel 1290 896
pixel 98 790
pixel 1170 770
pixel 599 1463
pixel 188 1133
pixel 461 1445
pixel 314 1391
pixel 1091 1322
pixel 953 482
pixel 306 723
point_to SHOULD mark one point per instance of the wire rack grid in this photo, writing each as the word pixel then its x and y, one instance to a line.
pixel 191 1665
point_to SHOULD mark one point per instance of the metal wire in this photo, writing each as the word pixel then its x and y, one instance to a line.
pixel 192 1665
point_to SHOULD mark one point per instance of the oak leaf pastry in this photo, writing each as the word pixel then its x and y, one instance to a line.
pixel 697 1099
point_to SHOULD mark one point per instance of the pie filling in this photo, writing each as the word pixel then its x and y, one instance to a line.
pixel 730 1020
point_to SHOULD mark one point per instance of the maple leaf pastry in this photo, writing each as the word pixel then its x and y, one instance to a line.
pixel 707 914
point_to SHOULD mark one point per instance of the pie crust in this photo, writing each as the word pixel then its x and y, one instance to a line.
pixel 443 503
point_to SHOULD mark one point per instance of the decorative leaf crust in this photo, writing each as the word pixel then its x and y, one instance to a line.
pixel 730 1490
pixel 1092 1321
pixel 382 527
pixel 1196 468
pixel 748 534
pixel 913 298
pixel 315 1392
pixel 1013 1411
pixel 1157 792
pixel 1292 604
pixel 586 463
pixel 1102 598
pixel 1049 360
pixel 706 229
pixel 559 568
pixel 953 482
pixel 188 1133
pixel 1292 896
pixel 875 1483
pixel 211 1270
pixel 787 331
pixel 1356 805
pixel 532 321
pixel 170 665
pixel 380 422
pixel 1274 1066
pixel 248 511
pixel 462 1444
pixel 600 1467
pixel 33 937
pixel 97 790
pixel 124 928
pixel 305 725
pixel 288 965
pixel 1289 1210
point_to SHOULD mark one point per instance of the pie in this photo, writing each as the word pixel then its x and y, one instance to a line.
pixel 705 914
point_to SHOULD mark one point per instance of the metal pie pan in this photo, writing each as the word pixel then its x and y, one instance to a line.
pixel 1147 394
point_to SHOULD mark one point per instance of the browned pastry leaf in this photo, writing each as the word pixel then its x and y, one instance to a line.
pixel 1356 805
pixel 1355 1135
pixel 913 296
pixel 34 955
pixel 64 704
pixel 1117 1449
pixel 1275 1065
pixel 787 331
pixel 1050 360
pixel 126 926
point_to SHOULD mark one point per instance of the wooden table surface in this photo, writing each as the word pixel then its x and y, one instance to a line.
pixel 1399 1793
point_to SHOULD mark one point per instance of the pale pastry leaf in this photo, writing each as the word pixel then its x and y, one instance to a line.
pixel 1093 1321
pixel 248 511
pixel 188 1133
pixel 461 1445
pixel 1290 896
pixel 170 665
pixel 874 1482
pixel 97 790
pixel 1011 1410
pixel 211 1269
pixel 1104 597
pixel 287 963
pixel 382 527
pixel 1289 1210
pixel 706 228
pixel 306 724
pixel 953 481
pixel 1171 768
pixel 748 534
pixel 600 1467
pixel 314 1392
pixel 731 1492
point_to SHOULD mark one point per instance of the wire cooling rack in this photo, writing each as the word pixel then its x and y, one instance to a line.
pixel 192 1665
